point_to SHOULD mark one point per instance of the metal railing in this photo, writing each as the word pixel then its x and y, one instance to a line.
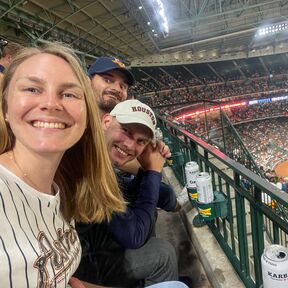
pixel 252 208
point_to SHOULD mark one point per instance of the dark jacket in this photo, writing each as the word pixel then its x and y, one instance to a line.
pixel 132 228
pixel 103 245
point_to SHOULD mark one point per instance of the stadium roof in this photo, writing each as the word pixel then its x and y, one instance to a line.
pixel 119 27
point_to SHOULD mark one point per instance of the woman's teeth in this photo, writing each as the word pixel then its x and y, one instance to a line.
pixel 51 125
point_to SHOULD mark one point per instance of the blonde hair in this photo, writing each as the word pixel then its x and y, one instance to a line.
pixel 90 191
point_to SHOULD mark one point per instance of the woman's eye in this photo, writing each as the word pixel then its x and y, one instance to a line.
pixel 68 95
pixel 31 89
pixel 71 95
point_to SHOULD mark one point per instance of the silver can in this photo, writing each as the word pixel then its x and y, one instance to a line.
pixel 274 262
pixel 191 171
pixel 204 187
pixel 158 134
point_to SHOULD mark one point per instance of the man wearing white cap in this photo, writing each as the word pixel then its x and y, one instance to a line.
pixel 123 252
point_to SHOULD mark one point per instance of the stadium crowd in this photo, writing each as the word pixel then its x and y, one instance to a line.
pixel 266 140
pixel 166 90
pixel 243 89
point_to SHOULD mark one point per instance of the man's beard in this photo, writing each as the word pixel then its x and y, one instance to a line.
pixel 107 106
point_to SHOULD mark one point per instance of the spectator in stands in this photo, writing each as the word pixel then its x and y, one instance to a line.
pixel 175 92
pixel 8 52
pixel 124 251
pixel 285 184
pixel 110 80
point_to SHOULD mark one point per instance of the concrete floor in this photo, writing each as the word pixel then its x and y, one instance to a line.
pixel 170 227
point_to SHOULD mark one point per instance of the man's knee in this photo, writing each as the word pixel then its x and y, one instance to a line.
pixel 167 198
pixel 165 251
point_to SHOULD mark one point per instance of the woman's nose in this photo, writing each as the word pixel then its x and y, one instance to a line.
pixel 51 101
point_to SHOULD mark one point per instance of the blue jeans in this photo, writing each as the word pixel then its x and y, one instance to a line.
pixel 169 284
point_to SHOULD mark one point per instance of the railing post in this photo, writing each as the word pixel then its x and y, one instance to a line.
pixel 276 238
pixel 257 234
pixel 193 155
pixel 206 156
pixel 222 129
pixel 241 227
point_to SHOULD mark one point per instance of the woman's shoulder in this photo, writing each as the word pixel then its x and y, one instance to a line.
pixel 6 183
pixel 5 173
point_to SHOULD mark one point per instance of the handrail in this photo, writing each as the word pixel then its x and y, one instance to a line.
pixel 253 165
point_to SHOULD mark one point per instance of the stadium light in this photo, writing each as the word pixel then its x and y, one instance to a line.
pixel 232 105
pixel 163 19
pixel 214 108
pixel 272 29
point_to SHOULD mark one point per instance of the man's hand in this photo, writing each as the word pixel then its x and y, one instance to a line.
pixel 164 150
pixel 154 155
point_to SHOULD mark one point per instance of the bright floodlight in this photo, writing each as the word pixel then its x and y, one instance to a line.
pixel 164 22
pixel 272 29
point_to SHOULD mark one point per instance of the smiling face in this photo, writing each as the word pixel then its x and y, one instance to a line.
pixel 46 107
pixel 110 88
pixel 125 142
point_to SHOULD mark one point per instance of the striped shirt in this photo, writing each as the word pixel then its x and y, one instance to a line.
pixel 38 248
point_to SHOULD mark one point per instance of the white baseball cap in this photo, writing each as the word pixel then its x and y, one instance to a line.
pixel 134 111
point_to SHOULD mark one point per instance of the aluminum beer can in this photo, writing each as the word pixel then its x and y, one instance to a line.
pixel 274 262
pixel 191 171
pixel 204 188
pixel 158 134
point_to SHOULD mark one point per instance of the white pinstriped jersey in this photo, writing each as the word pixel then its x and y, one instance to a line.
pixel 38 248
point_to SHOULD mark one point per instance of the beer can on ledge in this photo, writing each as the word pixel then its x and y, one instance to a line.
pixel 191 171
pixel 204 187
pixel 274 262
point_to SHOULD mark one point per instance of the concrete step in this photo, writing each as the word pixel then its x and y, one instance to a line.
pixel 170 227
pixel 209 255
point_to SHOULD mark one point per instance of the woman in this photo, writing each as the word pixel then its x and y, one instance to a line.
pixel 49 130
